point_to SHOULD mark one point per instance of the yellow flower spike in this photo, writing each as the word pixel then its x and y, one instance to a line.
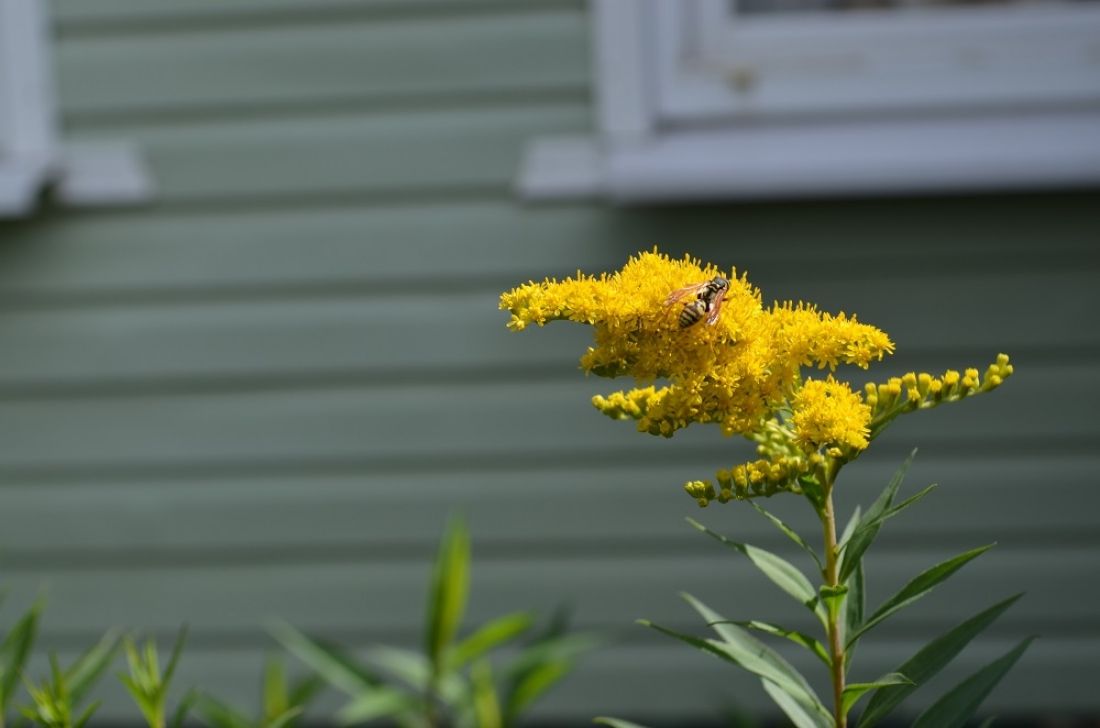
pixel 828 412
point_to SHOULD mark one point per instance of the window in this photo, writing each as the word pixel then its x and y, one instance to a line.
pixel 771 98
pixel 31 156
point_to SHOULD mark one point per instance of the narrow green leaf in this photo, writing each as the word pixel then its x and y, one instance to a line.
pixel 742 649
pixel 894 510
pixel 450 586
pixel 782 573
pixel 870 523
pixel 183 708
pixel 219 714
pixel 962 701
pixel 799 638
pixel 852 693
pixel 849 529
pixel 798 714
pixel 374 704
pixel 83 674
pixel 534 684
pixel 918 587
pixel 14 651
pixel 789 533
pixel 931 658
pixel 306 689
pixel 485 702
pixel 177 651
pixel 855 603
pixel 79 723
pixel 616 722
pixel 284 718
pixel 411 667
pixel 274 695
pixel 491 635
pixel 330 663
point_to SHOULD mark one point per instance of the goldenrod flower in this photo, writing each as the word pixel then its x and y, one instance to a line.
pixel 743 373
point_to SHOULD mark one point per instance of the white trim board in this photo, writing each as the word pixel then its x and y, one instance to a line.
pixel 870 157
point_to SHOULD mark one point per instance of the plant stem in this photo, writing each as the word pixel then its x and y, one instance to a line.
pixel 831 574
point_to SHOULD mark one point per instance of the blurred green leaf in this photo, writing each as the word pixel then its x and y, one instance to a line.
pixel 220 714
pixel 275 700
pixel 869 525
pixel 854 603
pixel 14 651
pixel 918 587
pixel 376 703
pixel 486 703
pixel 799 638
pixel 853 692
pixel 83 674
pixel 789 533
pixel 338 669
pixel 283 719
pixel 497 632
pixel 988 721
pixel 450 586
pixel 955 708
pixel 533 684
pixel 616 722
pixel 87 714
pixel 782 573
pixel 932 658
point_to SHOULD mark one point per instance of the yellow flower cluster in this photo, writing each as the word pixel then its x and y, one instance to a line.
pixel 736 372
pixel 743 372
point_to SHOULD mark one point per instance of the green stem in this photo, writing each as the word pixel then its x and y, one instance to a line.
pixel 831 574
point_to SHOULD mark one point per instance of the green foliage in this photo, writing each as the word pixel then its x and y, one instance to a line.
pixel 282 702
pixel 14 651
pixel 454 680
pixel 148 686
pixel 840 605
pixel 56 700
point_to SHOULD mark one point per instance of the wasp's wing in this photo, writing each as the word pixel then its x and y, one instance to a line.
pixel 715 307
pixel 679 293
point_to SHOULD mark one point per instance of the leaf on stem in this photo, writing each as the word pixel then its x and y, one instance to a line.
pixel 799 638
pixel 616 722
pixel 789 533
pixel 918 587
pixel 330 663
pixel 869 525
pixel 90 666
pixel 781 572
pixel 931 658
pixel 956 707
pixel 220 714
pixel 855 604
pixel 489 636
pixel 450 586
pixel 14 651
pixel 853 692
pixel 376 703
pixel 801 717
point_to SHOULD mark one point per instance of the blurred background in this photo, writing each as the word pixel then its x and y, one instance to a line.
pixel 259 391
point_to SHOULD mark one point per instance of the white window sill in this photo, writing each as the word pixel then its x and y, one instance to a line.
pixel 844 157
pixel 84 175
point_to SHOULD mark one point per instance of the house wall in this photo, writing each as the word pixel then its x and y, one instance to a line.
pixel 260 395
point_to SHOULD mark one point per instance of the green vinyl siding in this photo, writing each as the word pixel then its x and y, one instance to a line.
pixel 260 395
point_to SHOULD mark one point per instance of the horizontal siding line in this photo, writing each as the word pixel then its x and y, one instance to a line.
pixel 550 371
pixel 421 550
pixel 620 634
pixel 838 269
pixel 308 14
pixel 1022 447
pixel 121 120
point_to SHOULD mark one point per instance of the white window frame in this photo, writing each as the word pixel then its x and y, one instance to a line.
pixel 31 154
pixel 692 104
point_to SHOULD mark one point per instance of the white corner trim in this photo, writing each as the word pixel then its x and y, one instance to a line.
pixel 848 157
pixel 102 173
pixel 20 183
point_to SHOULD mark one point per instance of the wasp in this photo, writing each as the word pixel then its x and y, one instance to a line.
pixel 706 300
